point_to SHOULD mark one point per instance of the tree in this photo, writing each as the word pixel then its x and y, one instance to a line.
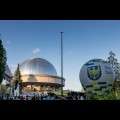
pixel 116 67
pixel 3 89
pixel 112 59
pixel 17 79
pixel 3 60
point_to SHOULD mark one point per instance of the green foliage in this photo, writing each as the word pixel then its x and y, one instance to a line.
pixel 3 60
pixel 106 96
pixel 2 89
pixel 59 94
pixel 51 94
pixel 17 79
pixel 116 67
pixel 116 86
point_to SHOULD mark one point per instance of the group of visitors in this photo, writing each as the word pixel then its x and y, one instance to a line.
pixel 43 97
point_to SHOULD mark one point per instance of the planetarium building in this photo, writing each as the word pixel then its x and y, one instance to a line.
pixel 40 75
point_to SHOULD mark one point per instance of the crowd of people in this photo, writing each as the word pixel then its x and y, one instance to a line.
pixel 29 96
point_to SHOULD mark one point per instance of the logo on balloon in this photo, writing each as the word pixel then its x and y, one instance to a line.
pixel 94 72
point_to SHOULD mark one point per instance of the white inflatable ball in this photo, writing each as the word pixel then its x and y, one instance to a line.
pixel 97 76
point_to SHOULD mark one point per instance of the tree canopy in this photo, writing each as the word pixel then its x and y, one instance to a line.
pixel 17 79
pixel 3 60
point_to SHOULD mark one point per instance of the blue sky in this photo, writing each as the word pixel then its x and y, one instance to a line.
pixel 82 40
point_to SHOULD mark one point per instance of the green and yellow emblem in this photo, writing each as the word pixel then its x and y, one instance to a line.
pixel 94 72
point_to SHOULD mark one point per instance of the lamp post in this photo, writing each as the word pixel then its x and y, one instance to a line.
pixel 61 63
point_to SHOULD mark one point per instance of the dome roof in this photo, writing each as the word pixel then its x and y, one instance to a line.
pixel 7 71
pixel 37 66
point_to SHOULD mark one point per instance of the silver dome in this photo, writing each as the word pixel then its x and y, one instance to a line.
pixel 37 66
pixel 7 71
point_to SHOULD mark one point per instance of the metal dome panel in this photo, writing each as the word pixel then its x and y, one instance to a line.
pixel 37 66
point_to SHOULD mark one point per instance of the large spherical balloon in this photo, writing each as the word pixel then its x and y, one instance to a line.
pixel 97 76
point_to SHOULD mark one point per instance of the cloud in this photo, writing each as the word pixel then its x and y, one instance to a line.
pixel 36 50
pixel 8 42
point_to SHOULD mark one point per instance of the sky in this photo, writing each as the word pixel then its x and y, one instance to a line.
pixel 83 40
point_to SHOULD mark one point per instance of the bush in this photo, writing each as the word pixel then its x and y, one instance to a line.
pixel 51 94
pixel 106 96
